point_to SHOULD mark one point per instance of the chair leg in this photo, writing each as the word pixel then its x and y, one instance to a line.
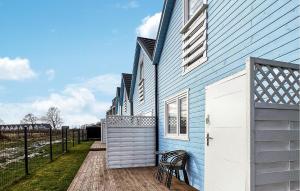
pixel 177 174
pixel 159 173
pixel 186 179
pixel 169 178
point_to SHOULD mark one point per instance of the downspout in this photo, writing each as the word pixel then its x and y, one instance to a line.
pixel 156 114
pixel 131 108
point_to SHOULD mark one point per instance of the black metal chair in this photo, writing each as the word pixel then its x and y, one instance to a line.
pixel 170 164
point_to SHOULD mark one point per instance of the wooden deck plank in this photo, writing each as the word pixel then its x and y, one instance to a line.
pixel 98 146
pixel 93 176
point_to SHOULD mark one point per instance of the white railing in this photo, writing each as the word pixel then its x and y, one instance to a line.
pixel 130 141
pixel 130 121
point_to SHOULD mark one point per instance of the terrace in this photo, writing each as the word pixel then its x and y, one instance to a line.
pixel 94 175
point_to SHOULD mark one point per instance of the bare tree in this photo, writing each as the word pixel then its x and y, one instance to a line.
pixel 53 117
pixel 1 122
pixel 29 119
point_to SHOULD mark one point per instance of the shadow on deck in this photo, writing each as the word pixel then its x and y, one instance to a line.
pixel 93 176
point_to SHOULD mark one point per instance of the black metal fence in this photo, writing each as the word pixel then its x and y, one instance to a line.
pixel 25 148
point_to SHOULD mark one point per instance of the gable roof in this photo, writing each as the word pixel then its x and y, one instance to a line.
pixel 163 29
pixel 127 82
pixel 147 44
pixel 125 85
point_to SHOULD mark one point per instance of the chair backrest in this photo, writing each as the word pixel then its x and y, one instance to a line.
pixel 180 158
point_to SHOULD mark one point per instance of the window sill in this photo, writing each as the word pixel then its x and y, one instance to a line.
pixel 190 22
pixel 176 137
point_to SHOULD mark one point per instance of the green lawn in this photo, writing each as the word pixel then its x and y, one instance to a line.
pixel 57 175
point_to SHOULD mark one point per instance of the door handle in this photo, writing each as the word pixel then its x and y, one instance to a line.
pixel 208 138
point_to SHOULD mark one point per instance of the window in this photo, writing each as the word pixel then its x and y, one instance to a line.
pixel 176 116
pixel 191 6
pixel 183 115
pixel 172 117
pixel 194 34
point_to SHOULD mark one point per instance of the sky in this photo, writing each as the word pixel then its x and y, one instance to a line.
pixel 69 54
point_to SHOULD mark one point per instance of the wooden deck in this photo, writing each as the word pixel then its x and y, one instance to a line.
pixel 98 146
pixel 93 176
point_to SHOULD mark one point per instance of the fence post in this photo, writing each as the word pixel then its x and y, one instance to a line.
pixel 73 137
pixel 26 151
pixel 62 140
pixel 78 136
pixel 66 139
pixel 51 151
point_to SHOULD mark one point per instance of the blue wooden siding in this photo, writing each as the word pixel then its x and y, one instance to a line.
pixel 236 30
pixel 148 106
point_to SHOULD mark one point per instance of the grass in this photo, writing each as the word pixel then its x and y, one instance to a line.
pixel 15 170
pixel 55 176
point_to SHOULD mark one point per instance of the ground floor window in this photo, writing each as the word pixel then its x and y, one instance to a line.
pixel 176 116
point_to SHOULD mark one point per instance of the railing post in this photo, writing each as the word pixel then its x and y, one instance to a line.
pixel 66 139
pixel 73 137
pixel 51 151
pixel 26 151
pixel 78 136
pixel 62 140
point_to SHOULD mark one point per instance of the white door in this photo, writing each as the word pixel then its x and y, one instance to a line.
pixel 226 135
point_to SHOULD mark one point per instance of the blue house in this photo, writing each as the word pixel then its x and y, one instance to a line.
pixel 201 42
pixel 126 105
pixel 142 92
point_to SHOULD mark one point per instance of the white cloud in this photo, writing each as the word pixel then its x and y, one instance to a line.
pixel 149 26
pixel 50 74
pixel 15 69
pixel 131 4
pixel 78 102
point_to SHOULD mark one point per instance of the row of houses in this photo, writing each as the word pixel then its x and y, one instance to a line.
pixel 200 42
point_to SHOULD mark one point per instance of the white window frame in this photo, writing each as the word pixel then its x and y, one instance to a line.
pixel 186 10
pixel 176 98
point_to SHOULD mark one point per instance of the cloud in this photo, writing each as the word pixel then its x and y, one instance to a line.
pixel 131 4
pixel 50 74
pixel 149 26
pixel 106 84
pixel 78 102
pixel 15 69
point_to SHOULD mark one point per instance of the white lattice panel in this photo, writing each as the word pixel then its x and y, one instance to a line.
pixel 130 121
pixel 276 84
